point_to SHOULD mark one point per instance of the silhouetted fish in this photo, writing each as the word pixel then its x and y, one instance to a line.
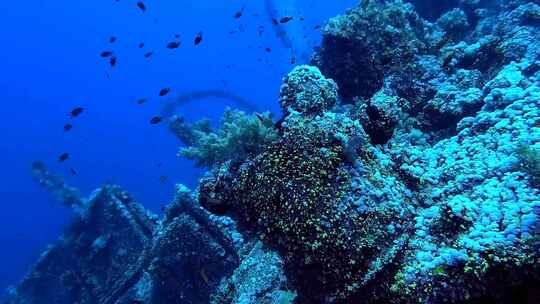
pixel 73 172
pixel 239 13
pixel 148 54
pixel 173 45
pixel 76 112
pixel 141 101
pixel 164 91
pixel 155 120
pixel 163 179
pixel 63 157
pixel 198 38
pixel 113 61
pixel 286 19
pixel 141 45
pixel 141 5
pixel 105 54
pixel 68 127
pixel 112 39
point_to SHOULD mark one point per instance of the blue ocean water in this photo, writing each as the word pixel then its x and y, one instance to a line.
pixel 51 64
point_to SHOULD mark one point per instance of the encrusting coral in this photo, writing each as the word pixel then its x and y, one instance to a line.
pixel 405 170
pixel 291 191
pixel 419 198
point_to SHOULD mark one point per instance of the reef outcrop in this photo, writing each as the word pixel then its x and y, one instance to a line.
pixel 405 170
pixel 117 252
pixel 414 186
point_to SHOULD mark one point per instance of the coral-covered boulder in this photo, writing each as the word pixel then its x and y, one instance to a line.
pixel 307 91
pixel 362 46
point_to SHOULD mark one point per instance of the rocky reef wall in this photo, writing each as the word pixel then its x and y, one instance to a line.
pixel 405 169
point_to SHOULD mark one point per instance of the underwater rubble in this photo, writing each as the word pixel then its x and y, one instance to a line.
pixel 406 169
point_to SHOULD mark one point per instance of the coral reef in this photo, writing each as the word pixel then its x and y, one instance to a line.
pixel 306 91
pixel 256 282
pixel 530 162
pixel 95 257
pixel 405 170
pixel 445 210
pixel 362 46
pixel 116 252
pixel 291 193
pixel 238 137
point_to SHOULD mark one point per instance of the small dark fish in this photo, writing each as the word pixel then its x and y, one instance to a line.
pixel 269 50
pixel 176 36
pixel 293 59
pixel 239 13
pixel 76 112
pixel 107 75
pixel 141 101
pixel 285 19
pixel 63 157
pixel 316 27
pixel 198 39
pixel 163 179
pixel 260 117
pixel 141 5
pixel 68 127
pixel 164 91
pixel 302 18
pixel 159 164
pixel 155 120
pixel 73 172
pixel 147 55
pixel 112 39
pixel 106 54
pixel 173 45
pixel 275 21
pixel 447 59
pixel 141 45
pixel 113 61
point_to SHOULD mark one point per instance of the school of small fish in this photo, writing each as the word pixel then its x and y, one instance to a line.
pixel 112 61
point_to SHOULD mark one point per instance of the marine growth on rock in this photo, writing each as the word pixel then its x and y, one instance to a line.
pixel 405 169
